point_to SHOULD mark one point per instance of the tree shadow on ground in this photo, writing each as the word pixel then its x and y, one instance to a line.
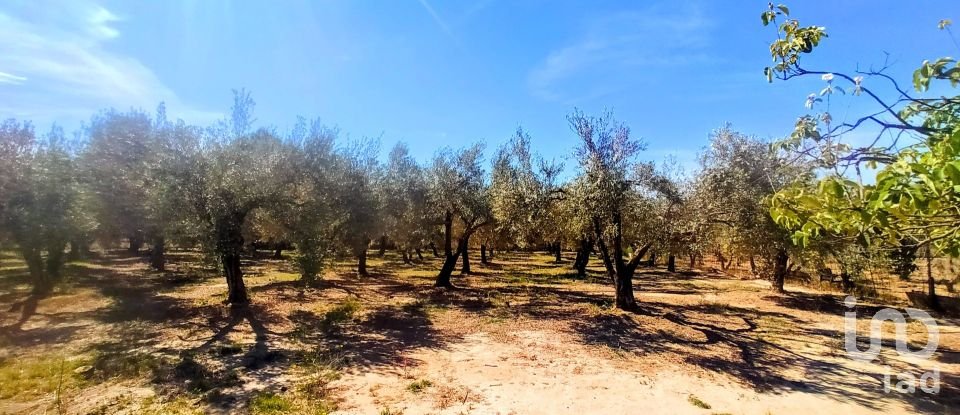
pixel 380 338
pixel 27 308
pixel 765 350
pixel 757 348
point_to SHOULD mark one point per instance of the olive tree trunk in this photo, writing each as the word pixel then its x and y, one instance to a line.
pixel 157 254
pixel 135 242
pixel 619 271
pixel 464 252
pixel 780 270
pixel 362 263
pixel 583 257
pixel 38 275
pixel 931 283
pixel 450 260
pixel 229 247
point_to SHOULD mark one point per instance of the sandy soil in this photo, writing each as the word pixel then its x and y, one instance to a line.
pixel 521 336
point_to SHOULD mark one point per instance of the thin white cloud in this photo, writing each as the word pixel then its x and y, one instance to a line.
pixel 618 44
pixel 7 78
pixel 65 71
pixel 440 21
pixel 100 20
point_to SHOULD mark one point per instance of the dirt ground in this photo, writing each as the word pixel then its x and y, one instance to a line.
pixel 522 335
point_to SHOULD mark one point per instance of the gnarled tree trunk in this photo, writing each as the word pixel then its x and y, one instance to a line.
pixel 449 263
pixel 55 258
pixel 483 254
pixel 583 257
pixel 464 251
pixel 135 242
pixel 619 271
pixel 157 253
pixel 362 262
pixel 780 270
pixel 671 263
pixel 79 248
pixel 229 247
pixel 931 283
pixel 450 259
pixel 38 276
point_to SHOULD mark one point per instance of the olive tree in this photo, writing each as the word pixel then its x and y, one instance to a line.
pixel 458 189
pixel 671 220
pixel 524 195
pixel 308 215
pixel 739 174
pixel 232 171
pixel 115 168
pixel 356 177
pixel 608 179
pixel 39 199
pixel 406 199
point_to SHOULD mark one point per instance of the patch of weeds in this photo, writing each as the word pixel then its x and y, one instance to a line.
pixel 695 401
pixel 179 406
pixel 516 279
pixel 499 315
pixel 300 401
pixel 30 377
pixel 228 349
pixel 341 313
pixel 195 377
pixel 318 387
pixel 125 365
pixel 714 307
pixel 269 403
pixel 595 309
pixel 419 386
pixel 497 299
pixel 425 307
pixel 321 359
pixel 686 286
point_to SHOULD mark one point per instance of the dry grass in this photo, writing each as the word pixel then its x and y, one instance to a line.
pixel 117 326
pixel 30 377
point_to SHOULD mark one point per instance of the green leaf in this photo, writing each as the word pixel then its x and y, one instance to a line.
pixel 930 184
pixel 799 238
pixel 786 11
pixel 953 171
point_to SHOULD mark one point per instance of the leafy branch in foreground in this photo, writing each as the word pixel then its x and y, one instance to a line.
pixel 914 149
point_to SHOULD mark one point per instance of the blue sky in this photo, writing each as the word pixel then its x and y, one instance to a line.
pixel 435 73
